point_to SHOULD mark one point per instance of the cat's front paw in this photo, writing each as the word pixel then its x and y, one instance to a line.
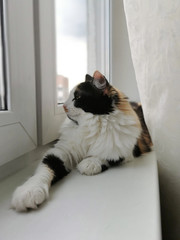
pixel 29 196
pixel 90 166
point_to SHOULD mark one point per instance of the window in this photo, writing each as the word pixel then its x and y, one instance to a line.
pixel 82 41
pixel 71 45
pixel 3 100
pixel 32 92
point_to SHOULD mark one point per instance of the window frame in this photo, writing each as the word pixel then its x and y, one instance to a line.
pixel 18 133
pixel 99 17
pixel 3 85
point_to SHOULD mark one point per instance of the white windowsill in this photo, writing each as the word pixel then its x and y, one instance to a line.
pixel 121 203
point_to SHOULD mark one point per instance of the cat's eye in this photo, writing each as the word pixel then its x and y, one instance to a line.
pixel 76 97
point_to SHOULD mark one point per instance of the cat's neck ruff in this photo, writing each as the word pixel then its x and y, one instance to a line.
pixel 116 118
pixel 110 135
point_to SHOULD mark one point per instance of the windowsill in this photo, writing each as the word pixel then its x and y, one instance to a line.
pixel 121 203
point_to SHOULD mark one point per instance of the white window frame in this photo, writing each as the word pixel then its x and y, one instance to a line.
pixel 2 75
pixel 51 115
pixel 18 132
pixel 99 45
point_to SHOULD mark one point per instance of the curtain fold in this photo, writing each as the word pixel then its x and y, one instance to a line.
pixel 154 36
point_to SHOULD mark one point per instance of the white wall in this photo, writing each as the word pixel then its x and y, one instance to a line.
pixel 123 76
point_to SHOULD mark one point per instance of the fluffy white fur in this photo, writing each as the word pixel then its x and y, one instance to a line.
pixel 86 145
pixel 34 191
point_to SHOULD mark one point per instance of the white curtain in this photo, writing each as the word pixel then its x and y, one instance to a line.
pixel 154 35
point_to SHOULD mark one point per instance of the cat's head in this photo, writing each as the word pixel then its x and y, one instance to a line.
pixel 95 96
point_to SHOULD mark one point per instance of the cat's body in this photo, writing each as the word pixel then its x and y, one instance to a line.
pixel 102 129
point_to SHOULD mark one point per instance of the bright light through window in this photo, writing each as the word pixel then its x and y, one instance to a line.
pixel 71 45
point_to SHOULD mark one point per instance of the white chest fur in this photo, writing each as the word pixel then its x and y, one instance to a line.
pixel 104 136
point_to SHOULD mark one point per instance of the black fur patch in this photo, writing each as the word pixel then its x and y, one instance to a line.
pixel 104 168
pixel 115 162
pixel 136 151
pixel 91 99
pixel 57 166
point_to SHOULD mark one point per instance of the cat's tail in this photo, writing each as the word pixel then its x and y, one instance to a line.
pixel 144 142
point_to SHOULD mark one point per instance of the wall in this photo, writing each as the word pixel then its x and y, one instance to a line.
pixel 123 76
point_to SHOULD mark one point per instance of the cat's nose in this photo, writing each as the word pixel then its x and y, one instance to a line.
pixel 65 108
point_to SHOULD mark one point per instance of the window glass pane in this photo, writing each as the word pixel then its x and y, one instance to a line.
pixel 3 104
pixel 71 45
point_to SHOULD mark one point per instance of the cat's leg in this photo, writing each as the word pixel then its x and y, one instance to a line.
pixel 54 166
pixel 92 165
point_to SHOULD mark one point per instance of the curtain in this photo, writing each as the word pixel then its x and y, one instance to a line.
pixel 154 36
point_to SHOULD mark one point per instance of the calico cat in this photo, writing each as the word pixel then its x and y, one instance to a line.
pixel 103 129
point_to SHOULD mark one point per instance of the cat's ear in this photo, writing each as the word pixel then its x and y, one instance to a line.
pixel 88 78
pixel 99 80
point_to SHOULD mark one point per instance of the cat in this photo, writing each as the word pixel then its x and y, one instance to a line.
pixel 102 129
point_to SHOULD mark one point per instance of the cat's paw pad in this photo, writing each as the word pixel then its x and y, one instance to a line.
pixel 29 196
pixel 90 166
